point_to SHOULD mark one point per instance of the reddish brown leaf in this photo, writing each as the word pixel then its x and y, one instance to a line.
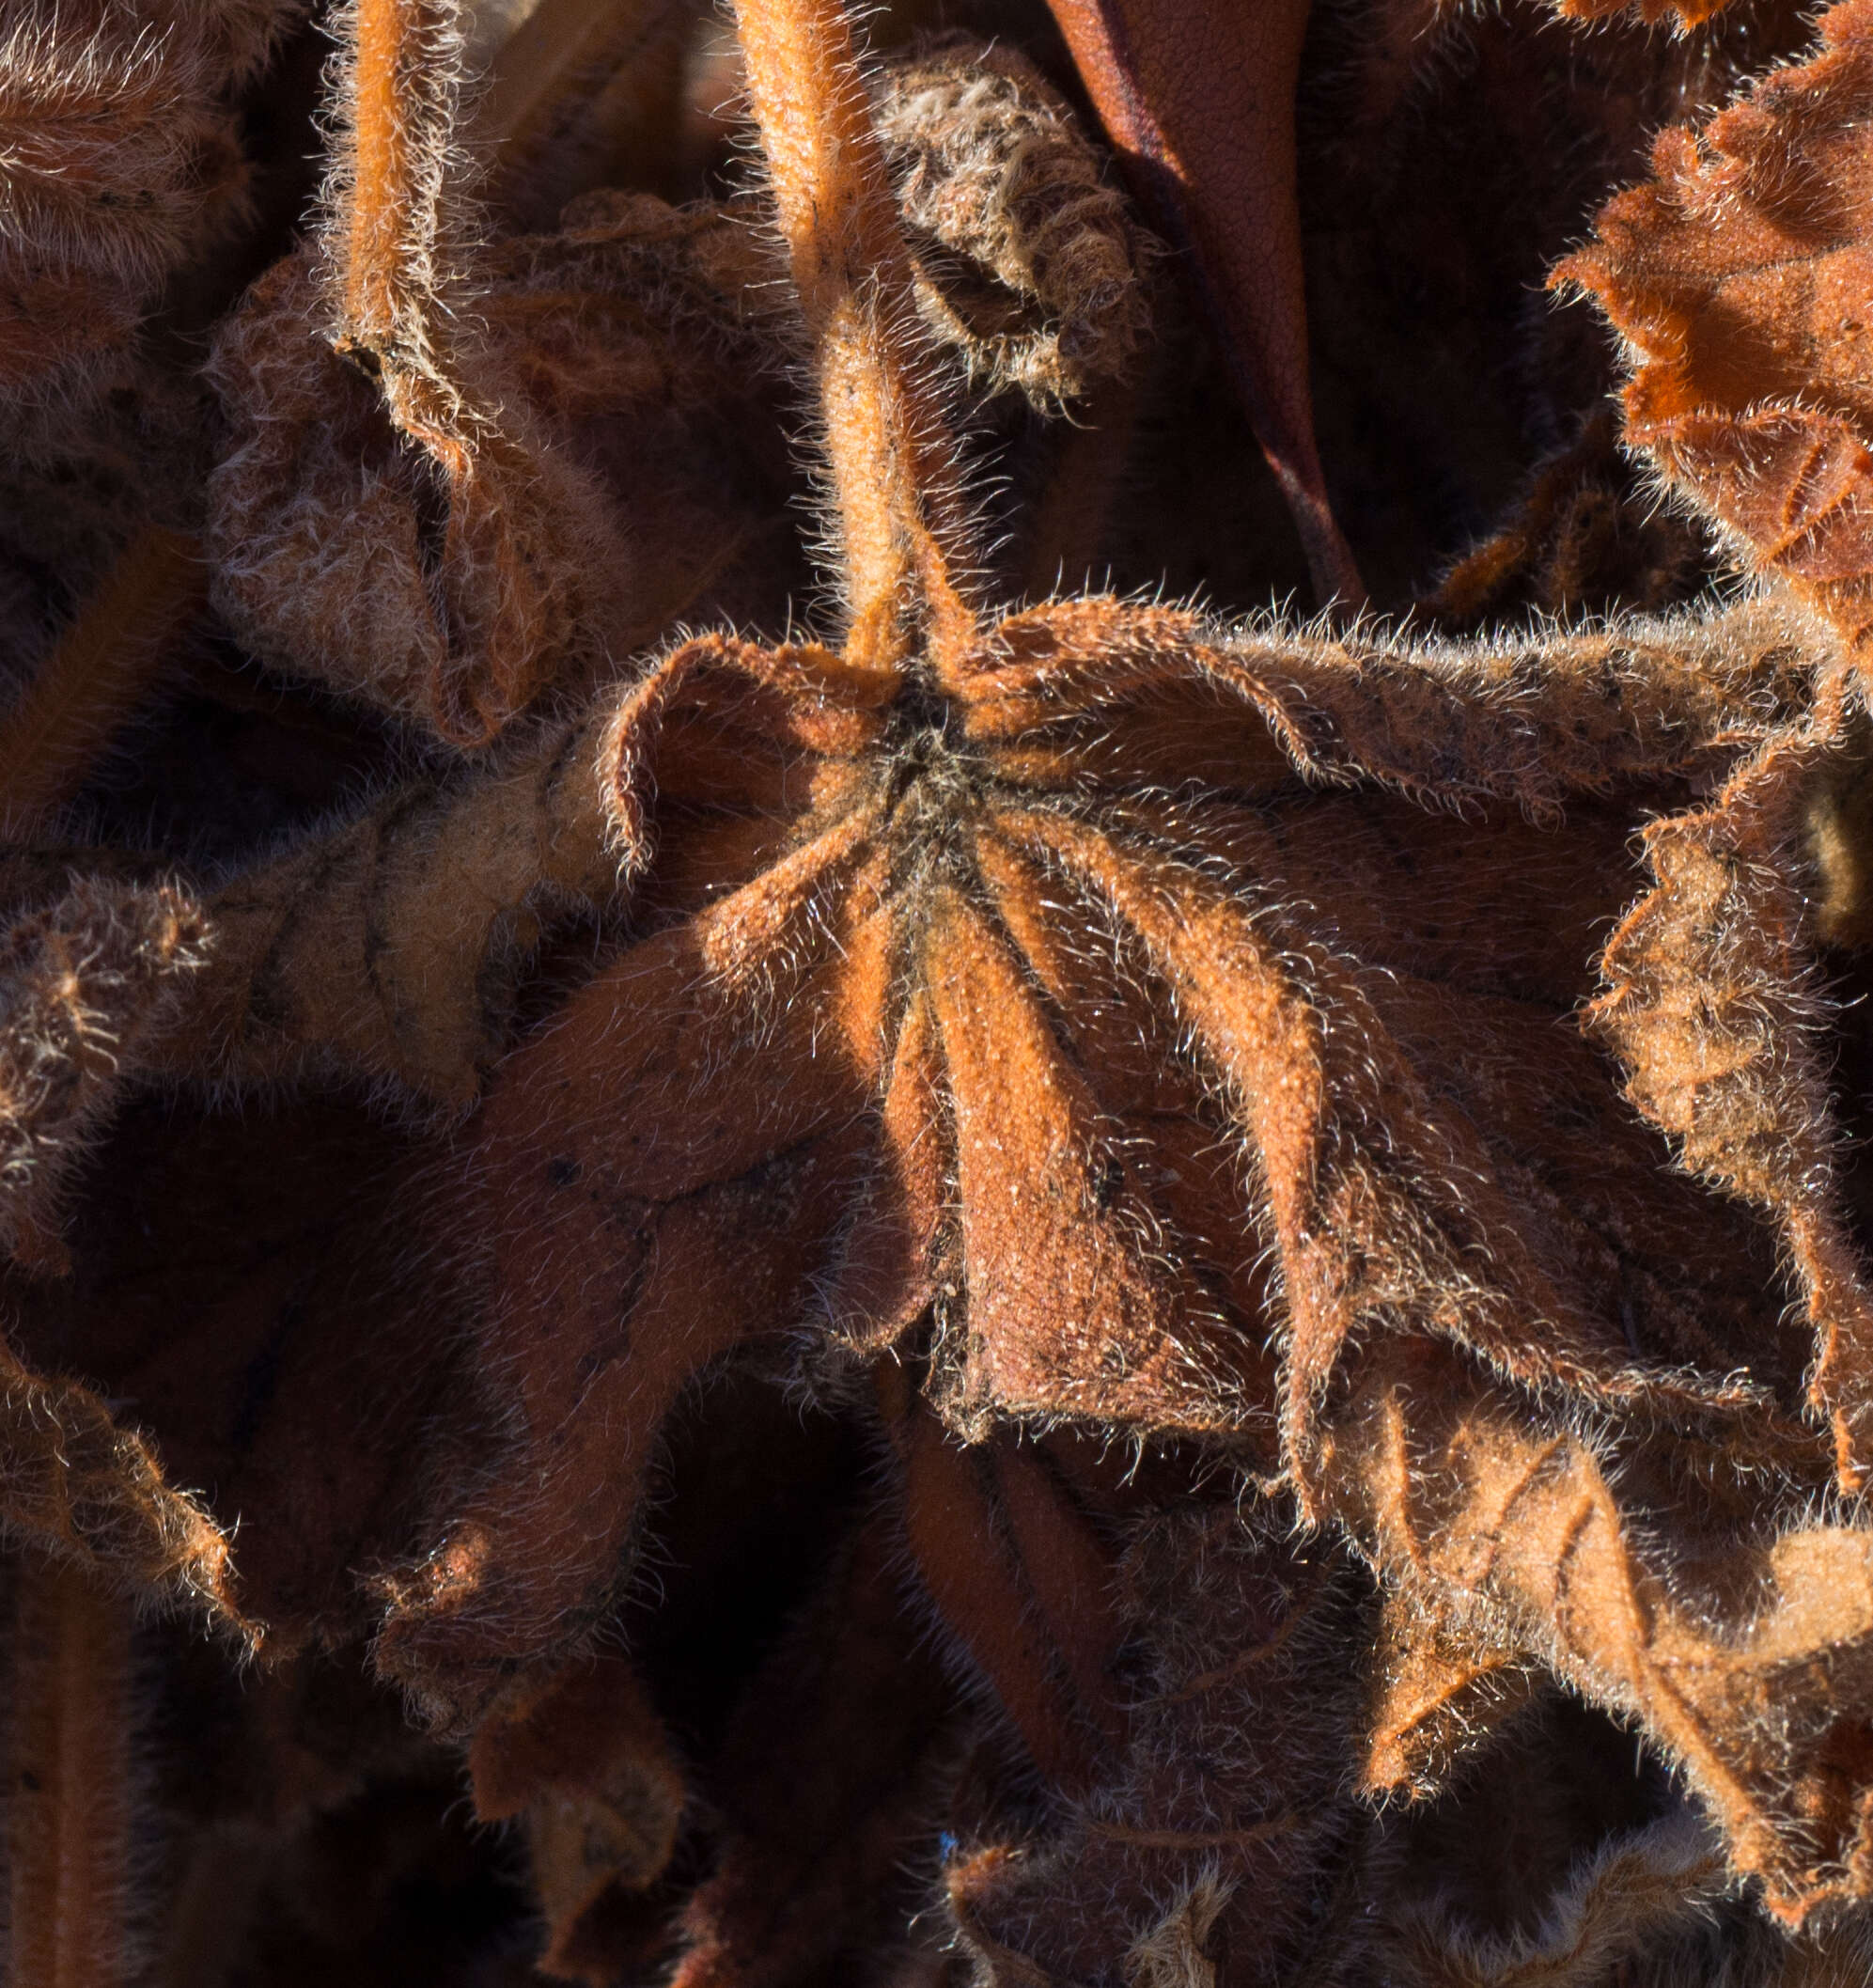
pixel 581 1754
pixel 1240 1669
pixel 1435 1694
pixel 1712 1001
pixel 1199 98
pixel 601 1318
pixel 968 1552
pixel 1748 1659
pixel 1740 278
pixel 119 159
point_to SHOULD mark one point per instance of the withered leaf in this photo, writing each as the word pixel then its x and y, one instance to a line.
pixel 1712 999
pixel 76 1484
pixel 891 980
pixel 582 1756
pixel 119 158
pixel 1713 1638
pixel 1151 1859
pixel 1434 1694
pixel 89 987
pixel 1740 278
pixel 605 348
pixel 1136 1076
pixel 994 172
pixel 595 411
pixel 1636 1891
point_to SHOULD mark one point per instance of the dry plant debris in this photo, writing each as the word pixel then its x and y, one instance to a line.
pixel 1737 276
pixel 747 1247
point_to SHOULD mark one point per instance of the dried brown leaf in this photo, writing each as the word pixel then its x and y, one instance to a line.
pixel 1434 1695
pixel 1632 1896
pixel 886 969
pixel 543 1523
pixel 386 951
pixel 1738 278
pixel 1712 1002
pixel 1198 97
pixel 583 1757
pixel 1116 1030
pixel 1746 1659
pixel 390 948
pixel 89 987
pixel 1582 540
pixel 119 159
pixel 573 530
pixel 995 179
pixel 1022 1582
pixel 1155 1870
pixel 76 1485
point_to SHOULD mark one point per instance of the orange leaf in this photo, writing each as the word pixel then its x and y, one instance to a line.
pixel 1741 277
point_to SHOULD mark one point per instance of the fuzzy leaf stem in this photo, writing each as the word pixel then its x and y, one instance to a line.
pixel 69 1823
pixel 895 489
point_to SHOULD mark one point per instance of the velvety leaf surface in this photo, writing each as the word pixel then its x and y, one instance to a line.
pixel 1739 276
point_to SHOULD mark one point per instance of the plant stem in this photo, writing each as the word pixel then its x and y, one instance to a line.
pixel 888 448
pixel 69 1813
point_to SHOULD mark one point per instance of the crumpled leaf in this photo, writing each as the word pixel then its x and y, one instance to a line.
pixel 390 948
pixel 1582 541
pixel 1634 1893
pixel 1640 1577
pixel 995 178
pixel 77 1485
pixel 386 951
pixel 1433 1696
pixel 119 158
pixel 1236 1647
pixel 576 1407
pixel 519 584
pixel 1020 1580
pixel 1079 1028
pixel 575 529
pixel 1740 278
pixel 583 1757
pixel 88 985
pixel 1713 1003
pixel 820 1020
